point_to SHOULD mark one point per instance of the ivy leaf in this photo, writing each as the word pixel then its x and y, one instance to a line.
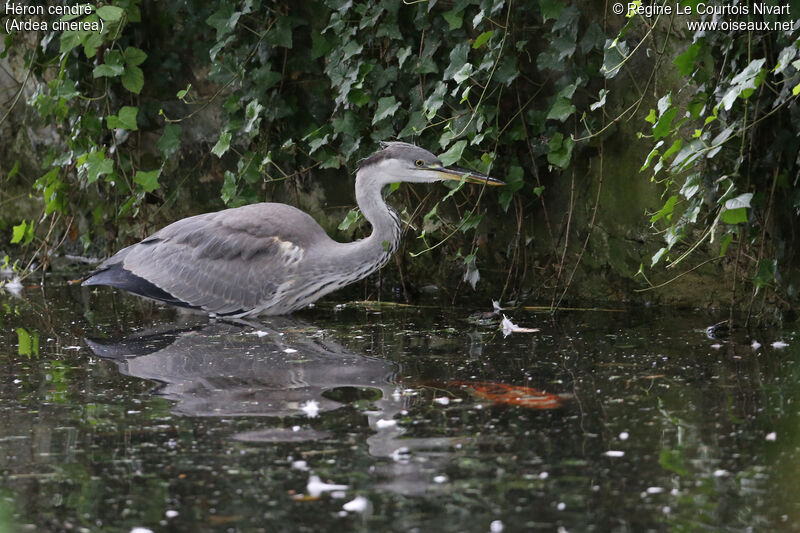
pixel 134 56
pixel 601 100
pixel 561 110
pixel 614 54
pixel 110 13
pixel 724 242
pixel 745 82
pixel 734 216
pixel 253 115
pixel 765 273
pixel 183 92
pixel 435 100
pixel 550 9
pixel 107 70
pixel 125 120
pixel 386 107
pixel 91 42
pixel 22 233
pixel 222 145
pixel 666 210
pixel 454 18
pixel 458 57
pixel 224 19
pixel 663 127
pixel 560 152
pixel 170 140
pixel 514 181
pixel 351 218
pixel 148 180
pixel 743 200
pixel 482 39
pixel 685 61
pixel 453 155
pixel 133 79
pixel 97 165
pixel 463 74
pixel 281 33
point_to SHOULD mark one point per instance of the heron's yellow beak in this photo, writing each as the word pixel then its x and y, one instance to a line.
pixel 470 176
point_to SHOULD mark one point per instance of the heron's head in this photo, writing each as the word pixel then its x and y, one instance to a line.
pixel 399 161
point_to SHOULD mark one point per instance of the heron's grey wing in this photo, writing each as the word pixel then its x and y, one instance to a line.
pixel 229 262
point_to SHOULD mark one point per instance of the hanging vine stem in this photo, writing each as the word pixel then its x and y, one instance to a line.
pixel 588 234
pixel 458 227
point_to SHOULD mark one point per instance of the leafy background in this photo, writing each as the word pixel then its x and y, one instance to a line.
pixel 644 161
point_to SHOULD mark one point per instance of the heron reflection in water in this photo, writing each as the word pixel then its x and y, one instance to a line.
pixel 270 258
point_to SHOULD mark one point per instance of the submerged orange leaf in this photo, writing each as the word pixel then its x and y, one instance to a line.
pixel 513 394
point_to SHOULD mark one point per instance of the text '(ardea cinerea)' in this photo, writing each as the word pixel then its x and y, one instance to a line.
pixel 270 258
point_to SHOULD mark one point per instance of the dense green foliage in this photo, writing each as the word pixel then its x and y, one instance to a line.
pixel 308 87
pixel 726 147
pixel 254 99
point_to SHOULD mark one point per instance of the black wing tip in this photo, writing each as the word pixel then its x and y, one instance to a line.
pixel 118 277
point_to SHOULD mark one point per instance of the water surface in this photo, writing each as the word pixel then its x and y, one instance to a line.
pixel 118 414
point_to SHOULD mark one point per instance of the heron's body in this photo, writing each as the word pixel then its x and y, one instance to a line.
pixel 267 258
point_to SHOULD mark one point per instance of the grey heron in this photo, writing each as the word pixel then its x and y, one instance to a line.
pixel 271 258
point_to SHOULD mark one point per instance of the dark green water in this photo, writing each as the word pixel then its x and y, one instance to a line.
pixel 119 415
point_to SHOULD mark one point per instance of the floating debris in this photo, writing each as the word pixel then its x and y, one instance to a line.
pixel 771 437
pixel 496 306
pixel 310 408
pixel 300 465
pixel 513 394
pixel 316 486
pixel 357 505
pixel 380 424
pixel 289 350
pixel 440 479
pixel 14 286
pixel 496 526
pixel 614 453
pixel 779 345
pixel 443 400
pixel 509 327
pixel 755 345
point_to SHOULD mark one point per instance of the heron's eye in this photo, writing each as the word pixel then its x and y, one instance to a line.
pixel 419 163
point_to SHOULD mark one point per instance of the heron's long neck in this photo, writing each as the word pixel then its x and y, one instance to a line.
pixel 385 237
